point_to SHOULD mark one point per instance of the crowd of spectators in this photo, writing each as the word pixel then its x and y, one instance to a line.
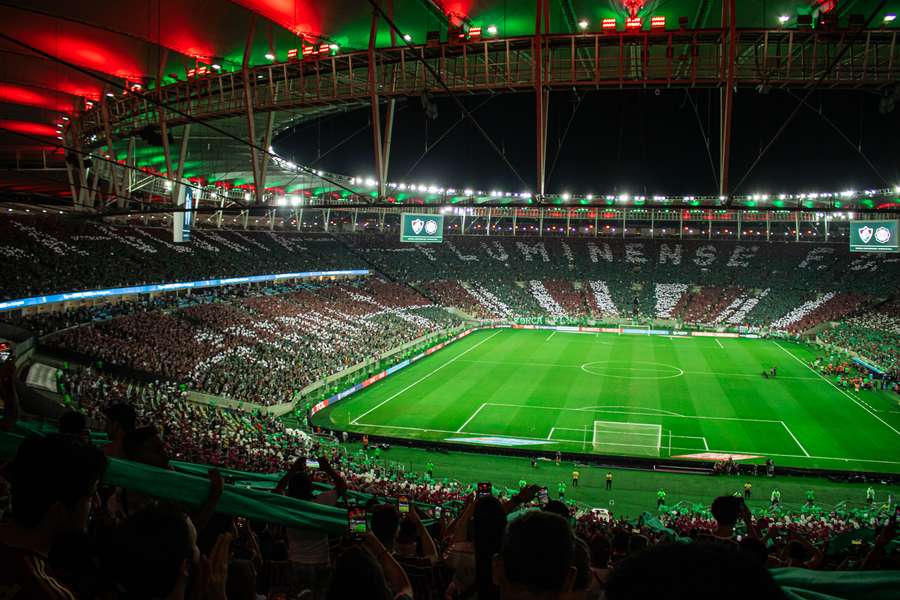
pixel 51 255
pixel 793 287
pixel 192 432
pixel 874 335
pixel 261 348
pixel 65 534
pixel 788 286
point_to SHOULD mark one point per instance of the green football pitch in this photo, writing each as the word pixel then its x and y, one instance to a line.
pixel 630 395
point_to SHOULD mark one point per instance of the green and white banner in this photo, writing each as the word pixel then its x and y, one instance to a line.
pixel 873 236
pixel 421 228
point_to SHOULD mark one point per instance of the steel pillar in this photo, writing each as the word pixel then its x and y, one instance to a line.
pixel 248 108
pixel 163 126
pixel 113 183
pixel 267 141
pixel 182 155
pixel 85 199
pixel 376 112
pixel 129 161
pixel 386 147
pixel 541 96
pixel 726 96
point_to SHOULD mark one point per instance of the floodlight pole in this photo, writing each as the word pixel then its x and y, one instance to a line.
pixel 726 95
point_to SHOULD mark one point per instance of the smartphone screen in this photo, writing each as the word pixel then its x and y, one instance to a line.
pixel 543 496
pixel 312 464
pixel 356 522
pixel 403 504
pixel 5 352
pixel 484 489
pixel 437 512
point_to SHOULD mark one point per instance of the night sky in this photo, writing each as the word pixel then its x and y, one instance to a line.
pixel 638 142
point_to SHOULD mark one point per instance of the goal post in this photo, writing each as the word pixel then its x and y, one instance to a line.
pixel 627 438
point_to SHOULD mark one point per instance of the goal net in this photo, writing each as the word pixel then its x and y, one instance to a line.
pixel 627 438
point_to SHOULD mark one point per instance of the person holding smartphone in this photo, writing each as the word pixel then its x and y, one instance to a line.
pixel 367 570
pixel 308 549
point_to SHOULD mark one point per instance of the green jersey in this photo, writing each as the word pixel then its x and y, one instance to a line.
pixel 661 495
pixel 561 488
pixel 810 495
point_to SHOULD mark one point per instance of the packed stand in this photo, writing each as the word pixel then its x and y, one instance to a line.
pixel 874 335
pixel 261 348
pixel 790 285
pixel 519 548
pixel 49 255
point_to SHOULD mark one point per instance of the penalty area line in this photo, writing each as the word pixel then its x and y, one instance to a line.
pixel 420 380
pixel 719 343
pixel 730 451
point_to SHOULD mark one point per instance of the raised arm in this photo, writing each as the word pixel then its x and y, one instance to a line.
pixel 429 549
pixel 394 574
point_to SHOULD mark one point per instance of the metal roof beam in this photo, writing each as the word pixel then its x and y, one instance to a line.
pixel 437 10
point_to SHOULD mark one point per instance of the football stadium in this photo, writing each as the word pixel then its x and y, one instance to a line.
pixel 424 299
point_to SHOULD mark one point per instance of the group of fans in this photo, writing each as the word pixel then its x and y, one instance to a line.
pixel 259 347
pixel 66 533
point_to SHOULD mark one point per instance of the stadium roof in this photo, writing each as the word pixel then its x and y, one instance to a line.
pixel 147 43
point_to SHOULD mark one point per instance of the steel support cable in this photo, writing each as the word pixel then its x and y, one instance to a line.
pixel 429 148
pixel 562 141
pixel 446 89
pixel 703 133
pixel 843 135
pixel 150 98
pixel 809 92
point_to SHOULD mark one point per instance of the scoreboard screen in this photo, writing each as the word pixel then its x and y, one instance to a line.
pixel 873 236
pixel 421 228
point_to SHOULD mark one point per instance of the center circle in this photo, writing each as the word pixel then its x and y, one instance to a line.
pixel 634 369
